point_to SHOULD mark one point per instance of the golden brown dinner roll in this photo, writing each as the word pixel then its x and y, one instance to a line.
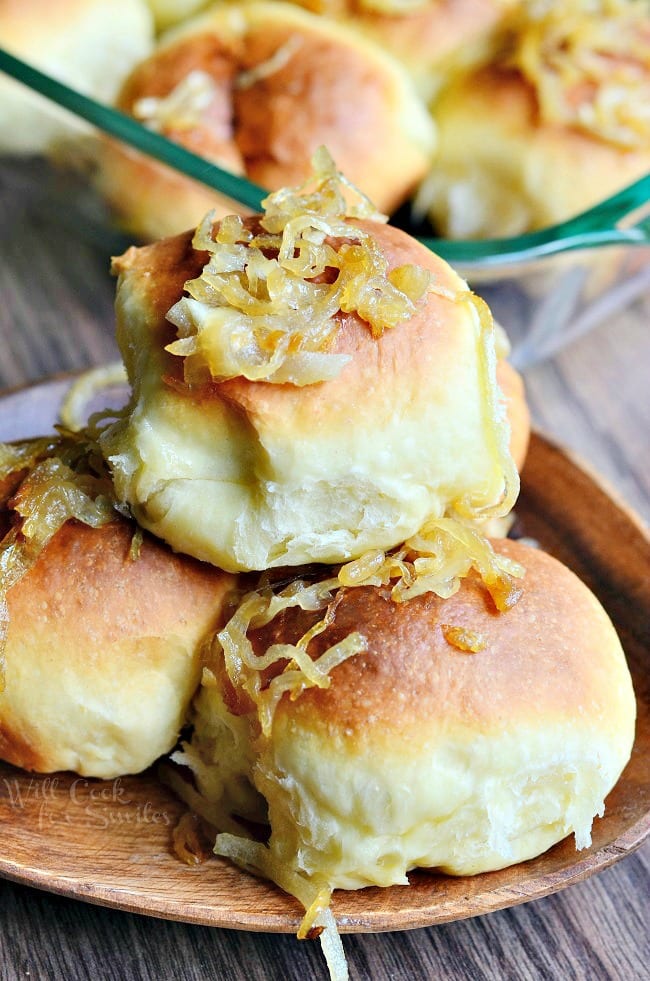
pixel 234 452
pixel 89 44
pixel 102 651
pixel 257 88
pixel 433 38
pixel 457 738
pixel 557 125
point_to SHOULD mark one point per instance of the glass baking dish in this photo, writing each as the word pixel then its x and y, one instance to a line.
pixel 546 288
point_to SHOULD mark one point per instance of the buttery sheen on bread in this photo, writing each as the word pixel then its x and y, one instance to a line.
pixel 102 651
pixel 250 474
pixel 419 752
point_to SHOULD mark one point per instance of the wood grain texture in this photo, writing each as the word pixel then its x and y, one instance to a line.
pixel 56 316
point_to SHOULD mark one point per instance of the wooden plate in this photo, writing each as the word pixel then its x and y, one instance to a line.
pixel 109 842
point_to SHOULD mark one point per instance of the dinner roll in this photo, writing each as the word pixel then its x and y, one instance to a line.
pixel 500 173
pixel 102 651
pixel 421 753
pixel 256 88
pixel 434 39
pixel 557 125
pixel 90 45
pixel 252 473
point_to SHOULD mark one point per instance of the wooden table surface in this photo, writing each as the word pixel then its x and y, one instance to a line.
pixel 56 315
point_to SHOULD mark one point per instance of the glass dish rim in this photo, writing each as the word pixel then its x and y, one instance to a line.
pixel 613 221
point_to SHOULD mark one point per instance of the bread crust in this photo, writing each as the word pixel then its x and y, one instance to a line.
pixel 418 753
pixel 102 653
pixel 438 38
pixel 553 654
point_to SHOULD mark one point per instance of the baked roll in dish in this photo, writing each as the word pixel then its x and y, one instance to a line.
pixel 102 627
pixel 305 386
pixel 89 44
pixel 377 736
pixel 434 39
pixel 557 124
pixel 257 87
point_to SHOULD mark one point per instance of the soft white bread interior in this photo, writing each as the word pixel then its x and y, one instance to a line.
pixel 90 45
pixel 257 88
pixel 419 753
pixel 102 652
pixel 251 475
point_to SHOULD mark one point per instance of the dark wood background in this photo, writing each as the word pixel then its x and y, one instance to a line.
pixel 55 316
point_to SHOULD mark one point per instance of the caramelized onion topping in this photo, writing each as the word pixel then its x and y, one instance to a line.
pixel 444 551
pixel 590 65
pixel 245 669
pixel 265 306
pixel 313 893
pixel 181 109
pixel 463 639
pixel 190 840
